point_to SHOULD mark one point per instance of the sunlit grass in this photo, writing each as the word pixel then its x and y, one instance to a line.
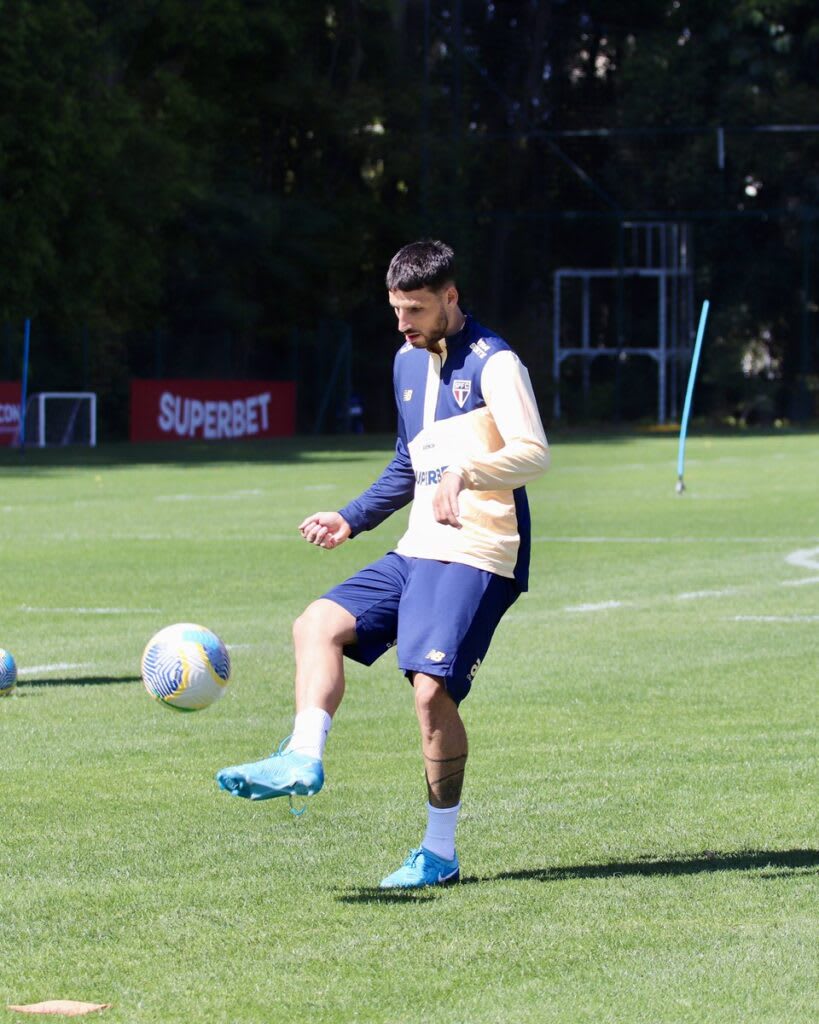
pixel 638 842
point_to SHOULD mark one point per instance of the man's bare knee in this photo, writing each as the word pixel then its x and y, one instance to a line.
pixel 324 622
pixel 432 701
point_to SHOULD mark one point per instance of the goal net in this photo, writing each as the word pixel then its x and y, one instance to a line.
pixel 61 418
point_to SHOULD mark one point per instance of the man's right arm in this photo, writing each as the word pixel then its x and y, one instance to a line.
pixel 391 491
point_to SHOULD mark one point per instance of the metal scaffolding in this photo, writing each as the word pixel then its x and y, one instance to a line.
pixel 656 249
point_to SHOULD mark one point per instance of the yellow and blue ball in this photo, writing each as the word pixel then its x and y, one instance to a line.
pixel 186 667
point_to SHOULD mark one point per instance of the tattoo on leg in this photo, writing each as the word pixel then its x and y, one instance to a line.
pixel 446 787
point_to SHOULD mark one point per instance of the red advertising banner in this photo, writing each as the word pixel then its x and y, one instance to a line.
pixel 9 411
pixel 213 410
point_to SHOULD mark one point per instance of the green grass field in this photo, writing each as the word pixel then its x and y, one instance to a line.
pixel 639 841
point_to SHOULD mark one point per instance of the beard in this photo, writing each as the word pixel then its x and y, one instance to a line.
pixel 432 335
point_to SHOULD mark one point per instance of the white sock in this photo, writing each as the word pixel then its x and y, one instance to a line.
pixel 310 731
pixel 440 835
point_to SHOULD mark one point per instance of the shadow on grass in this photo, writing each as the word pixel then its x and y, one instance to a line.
pixel 703 863
pixel 299 449
pixel 371 894
pixel 78 681
pixel 782 864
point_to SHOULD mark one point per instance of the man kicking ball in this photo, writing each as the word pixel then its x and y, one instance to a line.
pixel 469 439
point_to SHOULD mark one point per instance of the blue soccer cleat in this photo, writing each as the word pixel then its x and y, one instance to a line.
pixel 423 868
pixel 284 773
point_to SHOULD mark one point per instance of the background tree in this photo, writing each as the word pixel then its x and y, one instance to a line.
pixel 186 186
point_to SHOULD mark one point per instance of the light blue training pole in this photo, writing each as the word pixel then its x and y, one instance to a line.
pixel 689 392
pixel 24 387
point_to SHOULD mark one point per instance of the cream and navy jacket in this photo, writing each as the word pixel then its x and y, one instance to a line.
pixel 469 410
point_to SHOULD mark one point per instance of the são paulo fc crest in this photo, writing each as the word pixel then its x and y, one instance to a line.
pixel 461 389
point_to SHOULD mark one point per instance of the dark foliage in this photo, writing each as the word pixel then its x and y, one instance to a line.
pixel 199 188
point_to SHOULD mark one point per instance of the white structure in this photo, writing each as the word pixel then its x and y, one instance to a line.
pixel 61 418
pixel 659 250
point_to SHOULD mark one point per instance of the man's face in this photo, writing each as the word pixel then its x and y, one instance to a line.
pixel 425 316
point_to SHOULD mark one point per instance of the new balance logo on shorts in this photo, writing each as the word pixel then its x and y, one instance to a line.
pixel 434 655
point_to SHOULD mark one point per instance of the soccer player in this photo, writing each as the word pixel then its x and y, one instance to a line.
pixel 469 439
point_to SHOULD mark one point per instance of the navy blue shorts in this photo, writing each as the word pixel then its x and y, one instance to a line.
pixel 440 614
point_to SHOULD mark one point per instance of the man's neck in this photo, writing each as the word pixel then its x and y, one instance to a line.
pixel 458 326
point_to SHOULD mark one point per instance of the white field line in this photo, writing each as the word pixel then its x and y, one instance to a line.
pixel 774 618
pixel 151 538
pixel 806 558
pixel 711 496
pixel 230 496
pixel 186 535
pixel 579 470
pixel 662 466
pixel 670 540
pixel 89 611
pixel 58 666
pixel 600 606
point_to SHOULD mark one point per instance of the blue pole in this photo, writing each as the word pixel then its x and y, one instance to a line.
pixel 24 388
pixel 689 392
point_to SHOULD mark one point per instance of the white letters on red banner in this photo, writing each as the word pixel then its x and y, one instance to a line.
pixel 175 410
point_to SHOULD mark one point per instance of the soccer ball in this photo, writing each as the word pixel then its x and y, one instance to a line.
pixel 8 673
pixel 185 666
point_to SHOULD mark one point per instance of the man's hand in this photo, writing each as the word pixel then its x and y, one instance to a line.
pixel 445 501
pixel 325 529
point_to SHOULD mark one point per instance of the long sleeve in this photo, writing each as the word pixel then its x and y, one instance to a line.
pixel 509 397
pixel 390 492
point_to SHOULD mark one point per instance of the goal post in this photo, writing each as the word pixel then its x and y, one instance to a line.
pixel 55 418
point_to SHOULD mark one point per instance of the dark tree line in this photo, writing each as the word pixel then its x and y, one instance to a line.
pixel 186 184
